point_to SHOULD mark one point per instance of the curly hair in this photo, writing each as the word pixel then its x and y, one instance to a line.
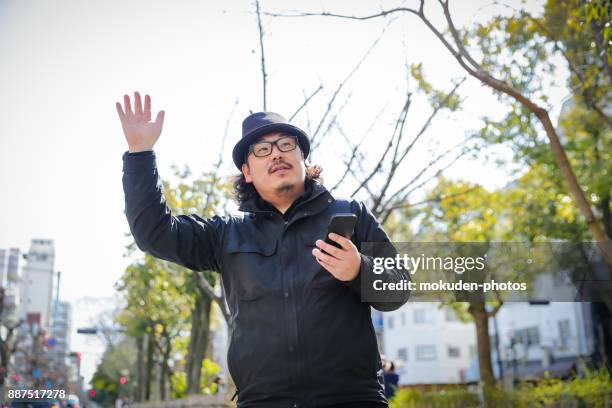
pixel 244 191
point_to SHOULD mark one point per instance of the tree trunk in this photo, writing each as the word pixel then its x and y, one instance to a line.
pixel 149 370
pixel 3 368
pixel 481 321
pixel 200 330
pixel 140 368
pixel 162 382
pixel 606 214
pixel 165 369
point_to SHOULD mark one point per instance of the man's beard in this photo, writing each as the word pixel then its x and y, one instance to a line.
pixel 285 188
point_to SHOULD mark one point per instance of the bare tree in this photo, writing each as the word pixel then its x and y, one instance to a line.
pixel 264 74
pixel 458 50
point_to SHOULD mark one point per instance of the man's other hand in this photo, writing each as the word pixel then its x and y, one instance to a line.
pixel 343 263
pixel 140 133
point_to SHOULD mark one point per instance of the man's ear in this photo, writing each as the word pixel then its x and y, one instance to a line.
pixel 246 171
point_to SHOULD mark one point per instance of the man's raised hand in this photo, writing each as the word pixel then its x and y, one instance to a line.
pixel 140 133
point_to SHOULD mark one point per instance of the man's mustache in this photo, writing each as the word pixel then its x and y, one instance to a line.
pixel 279 165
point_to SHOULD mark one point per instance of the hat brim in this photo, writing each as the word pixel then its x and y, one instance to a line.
pixel 241 148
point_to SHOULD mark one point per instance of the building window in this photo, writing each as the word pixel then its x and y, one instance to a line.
pixel 426 352
pixel 451 315
pixel 453 352
pixel 402 354
pixel 423 316
pixel 565 334
pixel 529 336
pixel 390 322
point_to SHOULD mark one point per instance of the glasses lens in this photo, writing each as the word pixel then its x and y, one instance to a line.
pixel 262 149
pixel 286 144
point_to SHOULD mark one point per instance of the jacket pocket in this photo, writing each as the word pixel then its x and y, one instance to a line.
pixel 253 268
pixel 316 276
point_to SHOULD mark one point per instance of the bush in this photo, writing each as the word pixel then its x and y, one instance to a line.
pixel 454 398
pixel 594 389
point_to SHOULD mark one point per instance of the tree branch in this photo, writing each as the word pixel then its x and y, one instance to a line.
pixel 378 166
pixel 208 290
pixel 305 102
pixel 344 82
pixel 435 199
pixel 264 75
pixel 354 153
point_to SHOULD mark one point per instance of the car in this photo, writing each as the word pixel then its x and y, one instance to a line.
pixel 34 403
pixel 72 401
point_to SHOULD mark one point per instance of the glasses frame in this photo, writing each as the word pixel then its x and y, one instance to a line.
pixel 272 144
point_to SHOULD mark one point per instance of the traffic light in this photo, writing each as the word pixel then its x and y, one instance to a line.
pixel 87 330
pixel 92 393
pixel 122 380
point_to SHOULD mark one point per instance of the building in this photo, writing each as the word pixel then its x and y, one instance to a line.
pixel 428 344
pixel 535 339
pixel 10 275
pixel 37 283
pixel 59 336
pixel 548 337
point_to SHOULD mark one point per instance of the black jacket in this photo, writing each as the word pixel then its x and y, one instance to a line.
pixel 301 338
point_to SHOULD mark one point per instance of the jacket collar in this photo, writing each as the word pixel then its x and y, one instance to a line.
pixel 317 200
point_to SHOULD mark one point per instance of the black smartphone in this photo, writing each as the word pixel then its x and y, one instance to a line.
pixel 341 224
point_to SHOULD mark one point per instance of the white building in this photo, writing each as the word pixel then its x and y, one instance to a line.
pixel 428 344
pixel 37 283
pixel 535 338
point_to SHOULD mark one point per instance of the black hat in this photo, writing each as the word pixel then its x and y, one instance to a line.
pixel 261 123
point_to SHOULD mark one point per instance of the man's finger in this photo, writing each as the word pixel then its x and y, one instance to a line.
pixel 159 120
pixel 137 104
pixel 147 108
pixel 325 265
pixel 120 112
pixel 128 106
pixel 330 249
pixel 345 243
pixel 324 257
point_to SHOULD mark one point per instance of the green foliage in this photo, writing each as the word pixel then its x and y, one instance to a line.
pixel 105 387
pixel 450 398
pixel 436 97
pixel 178 385
pixel 210 370
pixel 525 50
pixel 461 211
pixel 594 389
pixel 118 360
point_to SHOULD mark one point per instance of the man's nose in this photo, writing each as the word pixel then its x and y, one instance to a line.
pixel 276 152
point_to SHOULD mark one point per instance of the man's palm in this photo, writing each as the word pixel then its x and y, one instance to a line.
pixel 140 133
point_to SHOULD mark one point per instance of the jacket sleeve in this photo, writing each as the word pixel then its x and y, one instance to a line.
pixel 368 229
pixel 187 240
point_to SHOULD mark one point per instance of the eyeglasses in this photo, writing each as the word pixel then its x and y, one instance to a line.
pixel 264 148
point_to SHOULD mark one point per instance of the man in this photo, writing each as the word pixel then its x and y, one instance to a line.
pixel 301 336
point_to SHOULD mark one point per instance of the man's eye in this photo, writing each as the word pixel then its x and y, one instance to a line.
pixel 262 149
